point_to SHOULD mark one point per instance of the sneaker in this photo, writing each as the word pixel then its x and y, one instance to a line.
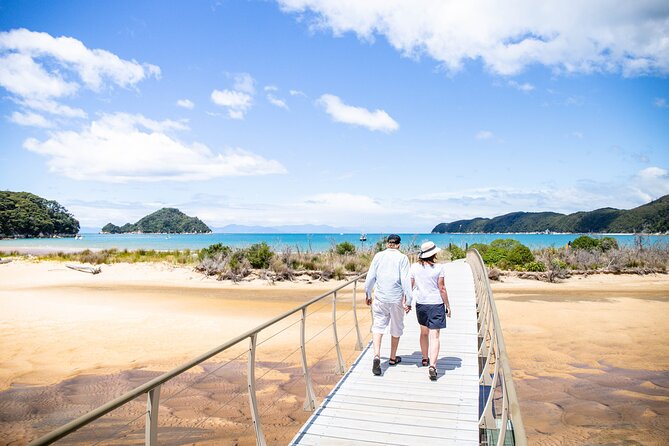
pixel 432 371
pixel 376 366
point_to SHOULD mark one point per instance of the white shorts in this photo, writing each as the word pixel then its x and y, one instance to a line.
pixel 388 312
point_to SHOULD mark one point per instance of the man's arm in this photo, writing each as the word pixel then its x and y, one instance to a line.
pixel 370 280
pixel 406 281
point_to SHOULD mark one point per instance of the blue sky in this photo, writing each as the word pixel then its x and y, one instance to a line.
pixel 373 116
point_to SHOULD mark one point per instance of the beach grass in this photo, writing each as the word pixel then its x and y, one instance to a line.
pixel 342 261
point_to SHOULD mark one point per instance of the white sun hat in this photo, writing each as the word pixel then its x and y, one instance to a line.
pixel 428 249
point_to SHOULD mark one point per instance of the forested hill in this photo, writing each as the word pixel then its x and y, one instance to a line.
pixel 650 218
pixel 166 220
pixel 23 214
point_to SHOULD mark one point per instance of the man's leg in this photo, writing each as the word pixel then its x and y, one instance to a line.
pixel 376 362
pixel 396 328
pixel 394 342
pixel 377 344
pixel 381 318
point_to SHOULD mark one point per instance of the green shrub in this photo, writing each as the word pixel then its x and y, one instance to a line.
pixel 259 255
pixel 519 255
pixel 608 243
pixel 456 252
pixel 535 266
pixel 213 250
pixel 558 264
pixel 504 253
pixel 345 248
pixel 480 247
pixel 584 242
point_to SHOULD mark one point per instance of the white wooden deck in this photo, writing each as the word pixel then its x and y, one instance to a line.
pixel 403 407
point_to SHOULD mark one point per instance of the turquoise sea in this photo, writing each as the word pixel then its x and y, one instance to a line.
pixel 303 242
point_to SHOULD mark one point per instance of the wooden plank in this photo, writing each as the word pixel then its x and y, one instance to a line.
pixel 402 406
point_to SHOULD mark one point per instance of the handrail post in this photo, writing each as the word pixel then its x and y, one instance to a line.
pixel 358 342
pixel 260 436
pixel 151 427
pixel 310 398
pixel 340 367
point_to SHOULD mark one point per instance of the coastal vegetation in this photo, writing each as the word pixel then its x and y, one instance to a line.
pixel 585 255
pixel 23 214
pixel 165 220
pixel 652 217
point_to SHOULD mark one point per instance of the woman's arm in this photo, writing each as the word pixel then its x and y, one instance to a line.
pixel 444 295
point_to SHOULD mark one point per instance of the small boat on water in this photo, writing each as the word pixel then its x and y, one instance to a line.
pixel 363 237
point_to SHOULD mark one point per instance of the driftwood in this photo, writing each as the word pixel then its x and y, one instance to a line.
pixel 86 269
pixel 3 261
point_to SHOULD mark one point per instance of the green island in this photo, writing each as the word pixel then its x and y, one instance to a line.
pixel 23 214
pixel 164 221
pixel 652 218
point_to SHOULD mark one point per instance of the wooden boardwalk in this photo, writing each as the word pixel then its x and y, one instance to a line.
pixel 403 407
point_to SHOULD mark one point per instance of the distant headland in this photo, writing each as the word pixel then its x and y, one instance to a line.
pixel 23 214
pixel 163 221
pixel 651 218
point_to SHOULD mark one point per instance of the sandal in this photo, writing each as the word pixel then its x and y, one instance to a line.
pixel 376 366
pixel 425 362
pixel 432 371
pixel 394 361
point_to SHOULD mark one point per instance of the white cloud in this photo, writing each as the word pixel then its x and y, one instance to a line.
pixel 652 183
pixel 333 208
pixel 53 107
pixel 271 88
pixel 297 93
pixel 186 103
pixel 661 103
pixel 20 75
pixel 122 148
pixel 343 201
pixel 277 102
pixel 484 134
pixel 37 65
pixel 244 82
pixel 577 135
pixel 348 114
pixel 37 69
pixel 30 119
pixel 237 103
pixel 572 36
pixel 526 87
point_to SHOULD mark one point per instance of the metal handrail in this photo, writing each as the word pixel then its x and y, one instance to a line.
pixel 492 333
pixel 152 387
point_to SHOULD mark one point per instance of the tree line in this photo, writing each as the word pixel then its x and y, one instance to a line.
pixel 23 214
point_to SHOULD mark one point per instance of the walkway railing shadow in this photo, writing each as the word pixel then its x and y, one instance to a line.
pixel 327 364
pixel 500 421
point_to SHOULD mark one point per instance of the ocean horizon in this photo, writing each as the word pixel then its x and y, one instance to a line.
pixel 299 241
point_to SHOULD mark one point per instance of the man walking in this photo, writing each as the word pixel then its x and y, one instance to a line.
pixel 389 271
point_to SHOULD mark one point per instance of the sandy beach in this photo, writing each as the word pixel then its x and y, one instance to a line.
pixel 589 355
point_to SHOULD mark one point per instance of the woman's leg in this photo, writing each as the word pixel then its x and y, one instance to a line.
pixel 434 346
pixel 424 340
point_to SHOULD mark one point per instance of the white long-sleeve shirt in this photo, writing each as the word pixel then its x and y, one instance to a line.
pixel 389 271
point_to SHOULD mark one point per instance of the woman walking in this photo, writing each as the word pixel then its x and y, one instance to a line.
pixel 432 307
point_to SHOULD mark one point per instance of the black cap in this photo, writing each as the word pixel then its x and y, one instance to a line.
pixel 394 238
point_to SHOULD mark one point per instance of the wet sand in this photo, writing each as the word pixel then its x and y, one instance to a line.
pixel 589 356
pixel 71 341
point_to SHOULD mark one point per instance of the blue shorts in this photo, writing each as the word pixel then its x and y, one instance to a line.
pixel 431 316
